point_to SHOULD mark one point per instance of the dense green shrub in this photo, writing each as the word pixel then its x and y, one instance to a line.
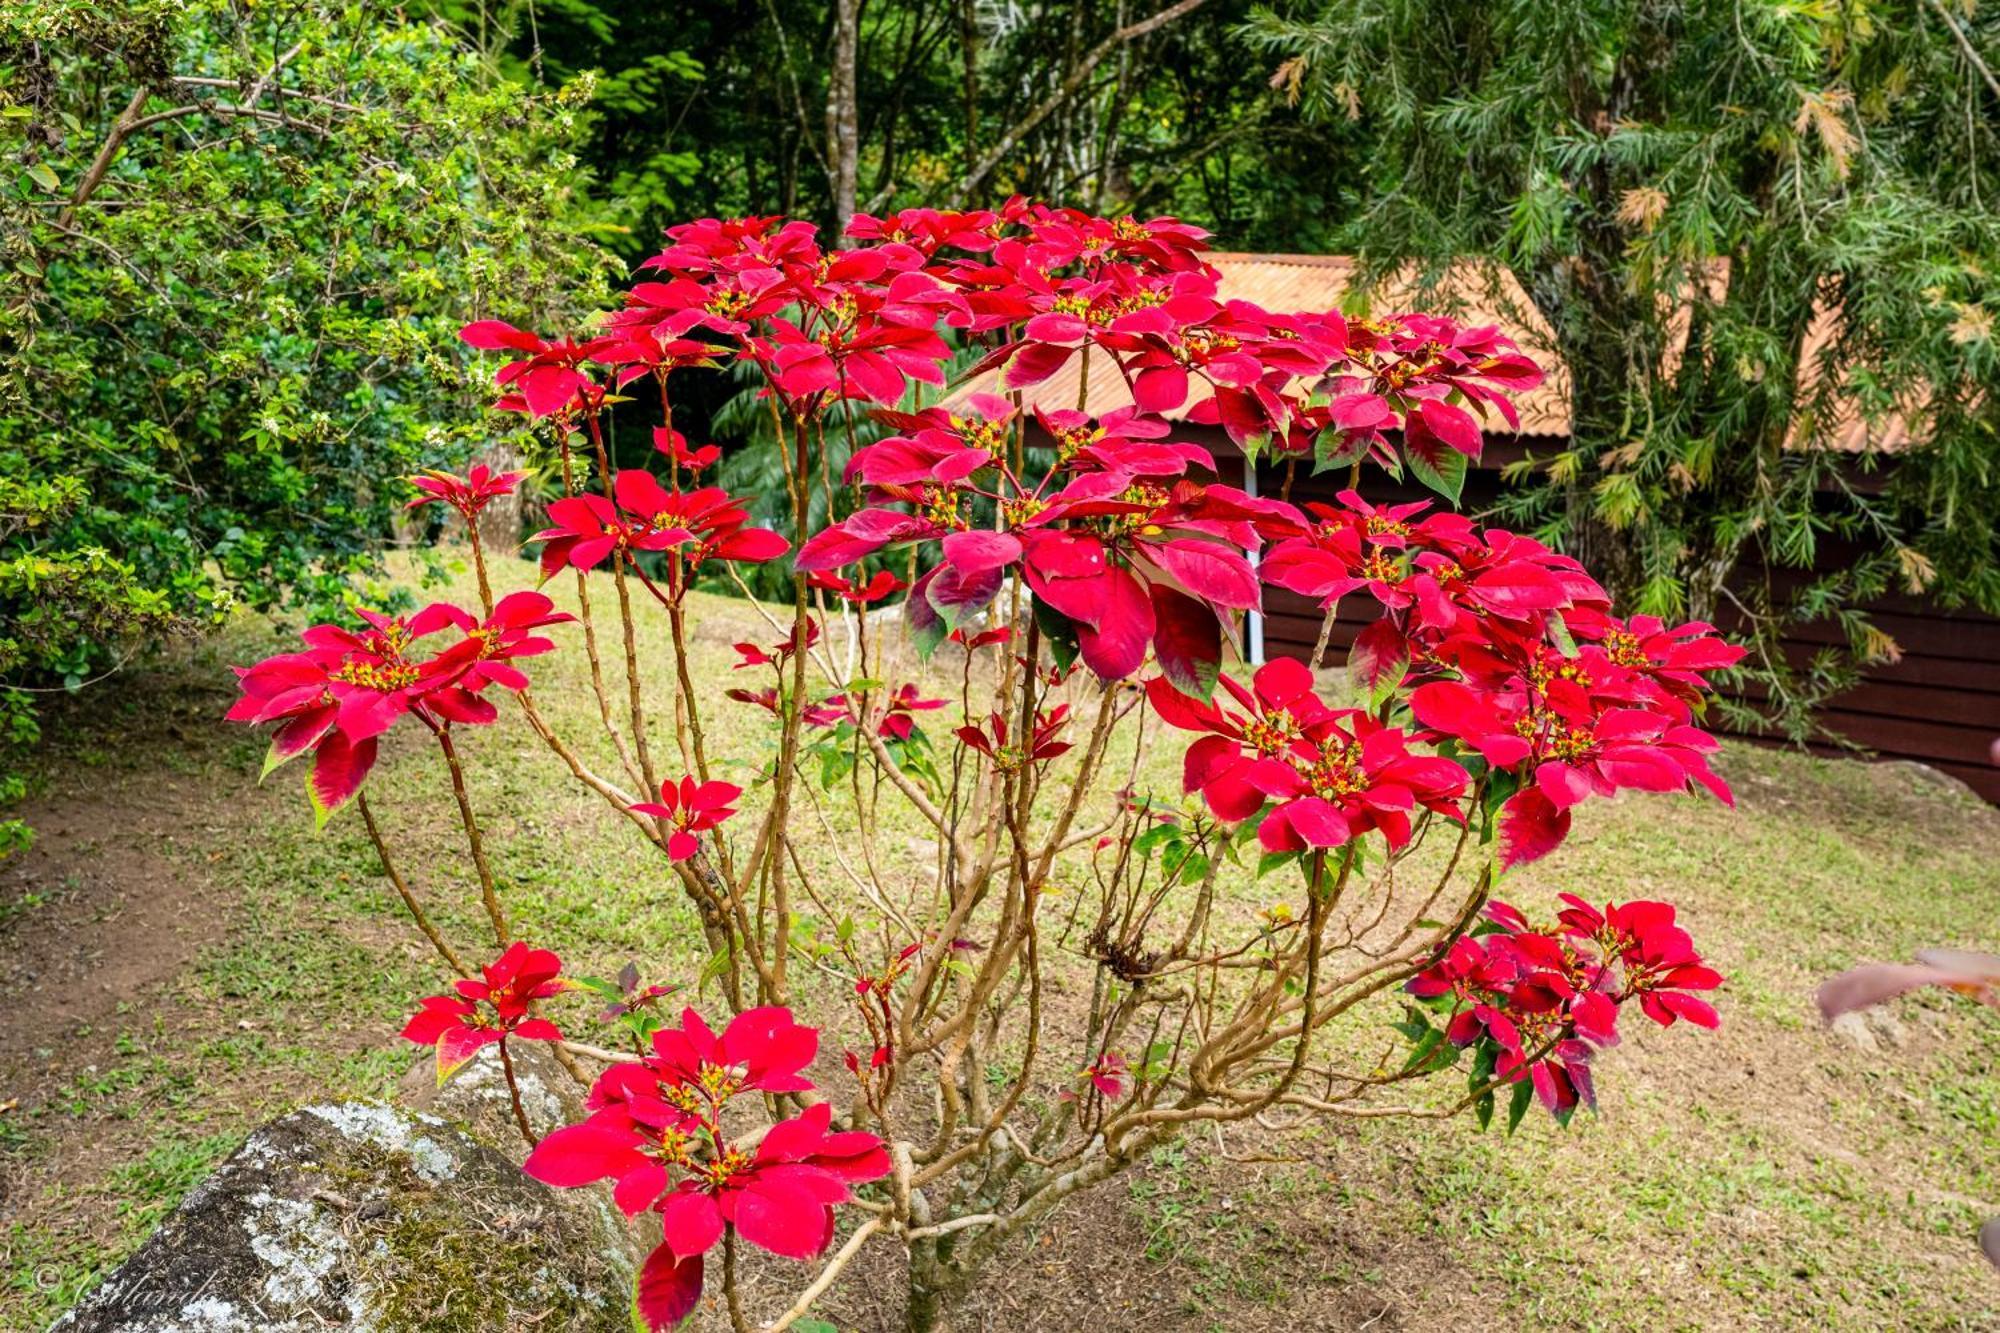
pixel 239 242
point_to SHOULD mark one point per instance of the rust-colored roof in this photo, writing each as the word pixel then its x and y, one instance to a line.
pixel 1473 291
pixel 1850 431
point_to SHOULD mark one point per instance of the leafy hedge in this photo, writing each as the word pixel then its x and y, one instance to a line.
pixel 239 243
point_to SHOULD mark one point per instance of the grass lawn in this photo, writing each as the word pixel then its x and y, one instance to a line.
pixel 184 957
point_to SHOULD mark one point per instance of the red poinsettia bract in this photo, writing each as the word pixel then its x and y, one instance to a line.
pixel 1129 559
pixel 689 809
pixel 548 373
pixel 1538 1002
pixel 494 1007
pixel 656 1130
pixel 1335 774
pixel 336 697
pixel 695 526
pixel 1509 650
pixel 468 494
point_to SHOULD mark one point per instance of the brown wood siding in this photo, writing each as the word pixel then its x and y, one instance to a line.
pixel 1937 703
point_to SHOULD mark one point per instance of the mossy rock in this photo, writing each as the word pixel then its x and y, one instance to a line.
pixel 360 1216
pixel 475 1098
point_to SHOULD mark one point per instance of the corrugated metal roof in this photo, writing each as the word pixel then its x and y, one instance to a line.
pixel 1474 292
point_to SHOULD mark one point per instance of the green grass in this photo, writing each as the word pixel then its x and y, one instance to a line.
pixel 1773 1173
pixel 151 1187
pixel 47 1273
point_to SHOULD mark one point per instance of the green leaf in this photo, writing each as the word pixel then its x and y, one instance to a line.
pixel 1559 632
pixel 1426 1047
pixel 1483 1062
pixel 1524 1092
pixel 834 766
pixel 43 177
pixel 716 965
pixel 1482 1110
pixel 610 990
pixel 1059 631
pixel 1270 861
pixel 1443 470
pixel 1332 449
pixel 1378 661
pixel 927 627
pixel 273 761
pixel 320 813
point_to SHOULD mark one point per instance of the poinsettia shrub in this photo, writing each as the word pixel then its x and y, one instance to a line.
pixel 1071 595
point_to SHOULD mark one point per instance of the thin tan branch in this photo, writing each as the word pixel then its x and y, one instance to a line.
pixel 1069 87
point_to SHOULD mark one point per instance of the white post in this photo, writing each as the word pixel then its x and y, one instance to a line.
pixel 1253 625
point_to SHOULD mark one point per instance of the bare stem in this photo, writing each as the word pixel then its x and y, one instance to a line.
pixel 488 893
pixel 1325 635
pixel 409 899
pixel 628 628
pixel 803 1305
pixel 597 686
pixel 731 1289
pixel 590 649
pixel 479 564
pixel 514 1095
pixel 677 622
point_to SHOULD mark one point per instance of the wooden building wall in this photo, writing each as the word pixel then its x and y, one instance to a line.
pixel 1938 702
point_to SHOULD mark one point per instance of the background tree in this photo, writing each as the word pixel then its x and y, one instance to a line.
pixel 240 242
pixel 744 108
pixel 1684 191
pixel 1145 107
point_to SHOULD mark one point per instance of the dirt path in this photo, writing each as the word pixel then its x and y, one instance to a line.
pixel 98 920
pixel 123 1074
pixel 97 917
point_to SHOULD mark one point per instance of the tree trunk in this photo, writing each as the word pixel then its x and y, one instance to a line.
pixel 931 1287
pixel 921 1314
pixel 500 521
pixel 843 119
pixel 968 40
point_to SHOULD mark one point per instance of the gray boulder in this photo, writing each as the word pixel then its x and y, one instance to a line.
pixel 366 1217
pixel 475 1098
